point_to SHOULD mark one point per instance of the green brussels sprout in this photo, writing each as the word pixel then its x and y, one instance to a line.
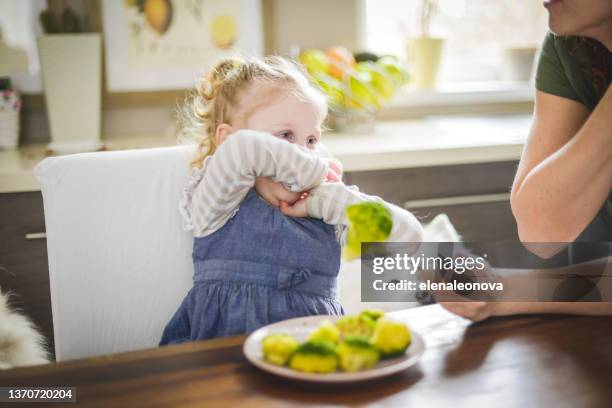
pixel 373 314
pixel 356 325
pixel 327 332
pixel 315 357
pixel 391 338
pixel 278 348
pixel 368 222
pixel 356 353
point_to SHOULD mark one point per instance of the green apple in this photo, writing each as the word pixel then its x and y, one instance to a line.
pixel 332 88
pixel 394 68
pixel 362 94
pixel 380 79
pixel 315 61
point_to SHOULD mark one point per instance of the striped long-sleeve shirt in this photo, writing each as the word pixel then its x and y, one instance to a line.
pixel 215 191
pixel 328 201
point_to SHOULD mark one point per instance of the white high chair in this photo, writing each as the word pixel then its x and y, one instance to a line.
pixel 119 261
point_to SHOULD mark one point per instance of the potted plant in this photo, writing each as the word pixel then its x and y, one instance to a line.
pixel 72 80
pixel 424 51
pixel 518 63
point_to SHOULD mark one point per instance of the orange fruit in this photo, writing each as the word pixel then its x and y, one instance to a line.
pixel 341 61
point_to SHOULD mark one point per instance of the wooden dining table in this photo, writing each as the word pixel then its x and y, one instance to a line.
pixel 522 361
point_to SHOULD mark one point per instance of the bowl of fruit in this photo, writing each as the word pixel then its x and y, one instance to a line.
pixel 357 86
pixel 335 349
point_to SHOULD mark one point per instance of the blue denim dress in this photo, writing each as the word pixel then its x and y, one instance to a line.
pixel 259 268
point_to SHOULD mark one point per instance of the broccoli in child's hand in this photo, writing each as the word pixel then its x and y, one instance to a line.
pixel 327 332
pixel 368 222
pixel 315 357
pixel 373 314
pixel 356 353
pixel 356 325
pixel 390 338
pixel 278 348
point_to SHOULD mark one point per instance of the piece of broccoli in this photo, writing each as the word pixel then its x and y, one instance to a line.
pixel 373 314
pixel 368 222
pixel 356 353
pixel 326 331
pixel 315 357
pixel 278 348
pixel 356 325
pixel 391 338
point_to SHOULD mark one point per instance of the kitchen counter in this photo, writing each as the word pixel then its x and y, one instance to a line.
pixel 433 141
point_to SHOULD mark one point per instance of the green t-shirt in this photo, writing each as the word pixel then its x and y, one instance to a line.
pixel 576 68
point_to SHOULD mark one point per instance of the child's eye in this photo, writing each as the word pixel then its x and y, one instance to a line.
pixel 287 135
pixel 311 141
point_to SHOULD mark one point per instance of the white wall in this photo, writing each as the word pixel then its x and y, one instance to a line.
pixel 315 24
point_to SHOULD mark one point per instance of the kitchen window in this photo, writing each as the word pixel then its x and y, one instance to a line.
pixel 489 47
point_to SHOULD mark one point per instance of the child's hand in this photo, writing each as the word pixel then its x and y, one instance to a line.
pixel 334 173
pixel 298 209
pixel 274 192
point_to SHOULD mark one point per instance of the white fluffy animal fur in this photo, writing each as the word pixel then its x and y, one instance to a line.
pixel 20 343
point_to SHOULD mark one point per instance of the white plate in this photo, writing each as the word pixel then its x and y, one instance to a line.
pixel 300 328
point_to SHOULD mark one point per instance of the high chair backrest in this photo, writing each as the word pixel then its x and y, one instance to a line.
pixel 119 260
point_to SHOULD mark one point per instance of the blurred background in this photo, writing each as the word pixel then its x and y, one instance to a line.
pixel 460 55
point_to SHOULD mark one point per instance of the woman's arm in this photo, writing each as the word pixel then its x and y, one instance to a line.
pixel 478 311
pixel 522 284
pixel 328 202
pixel 565 172
pixel 581 308
pixel 232 170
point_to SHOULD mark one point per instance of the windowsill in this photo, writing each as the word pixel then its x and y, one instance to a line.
pixel 475 93
pixel 476 98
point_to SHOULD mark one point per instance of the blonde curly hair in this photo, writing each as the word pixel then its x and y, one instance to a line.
pixel 216 97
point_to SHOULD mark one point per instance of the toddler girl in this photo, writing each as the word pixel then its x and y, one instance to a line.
pixel 264 202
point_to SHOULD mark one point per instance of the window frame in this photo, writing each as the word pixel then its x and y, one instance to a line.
pixel 497 95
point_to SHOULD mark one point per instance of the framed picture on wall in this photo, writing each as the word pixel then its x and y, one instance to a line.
pixel 155 45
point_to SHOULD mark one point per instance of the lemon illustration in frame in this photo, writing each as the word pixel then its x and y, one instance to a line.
pixel 223 30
